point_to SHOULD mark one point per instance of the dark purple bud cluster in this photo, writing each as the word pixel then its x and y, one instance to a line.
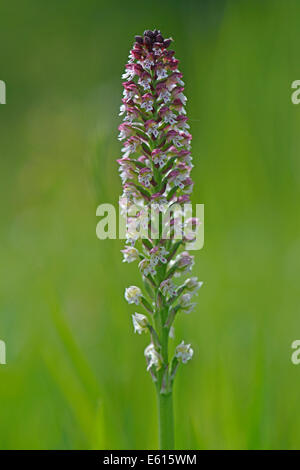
pixel 151 37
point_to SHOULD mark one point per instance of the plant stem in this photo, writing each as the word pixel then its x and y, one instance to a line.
pixel 164 392
pixel 166 420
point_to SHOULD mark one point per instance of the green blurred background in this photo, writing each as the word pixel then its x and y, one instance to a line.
pixel 75 376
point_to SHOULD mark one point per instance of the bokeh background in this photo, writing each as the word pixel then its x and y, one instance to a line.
pixel 75 376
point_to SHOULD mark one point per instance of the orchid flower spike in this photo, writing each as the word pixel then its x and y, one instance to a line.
pixel 155 171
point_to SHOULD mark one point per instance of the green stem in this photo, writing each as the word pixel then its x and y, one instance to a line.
pixel 166 420
pixel 164 392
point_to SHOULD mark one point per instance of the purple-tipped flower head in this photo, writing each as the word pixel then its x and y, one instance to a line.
pixel 155 124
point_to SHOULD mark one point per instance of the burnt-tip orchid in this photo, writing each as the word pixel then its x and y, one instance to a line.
pixel 155 170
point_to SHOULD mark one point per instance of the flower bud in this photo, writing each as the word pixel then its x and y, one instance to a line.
pixel 133 295
pixel 153 358
pixel 130 254
pixel 167 42
pixel 185 300
pixel 185 303
pixel 140 323
pixel 184 352
pixel 193 284
pixel 185 261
